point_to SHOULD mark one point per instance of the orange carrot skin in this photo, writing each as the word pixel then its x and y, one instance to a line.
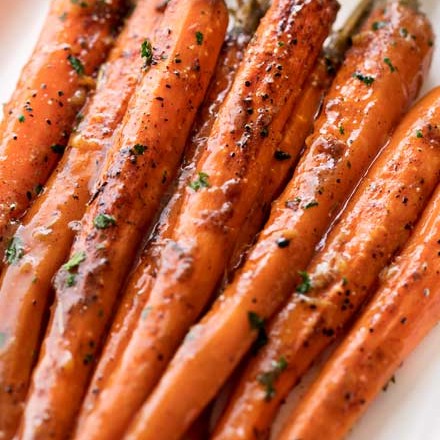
pixel 142 158
pixel 74 42
pixel 250 142
pixel 136 294
pixel 45 235
pixel 374 226
pixel 404 309
pixel 324 178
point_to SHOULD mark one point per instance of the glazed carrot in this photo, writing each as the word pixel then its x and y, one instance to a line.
pixel 52 88
pixel 374 226
pixel 43 242
pixel 404 309
pixel 222 189
pixel 136 294
pixel 364 104
pixel 141 160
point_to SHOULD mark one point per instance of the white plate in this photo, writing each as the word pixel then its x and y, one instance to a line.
pixel 410 409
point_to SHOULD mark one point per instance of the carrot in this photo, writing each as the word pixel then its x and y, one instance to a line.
pixel 403 310
pixel 366 95
pixel 75 40
pixel 142 159
pixel 43 241
pixel 374 226
pixel 136 294
pixel 226 183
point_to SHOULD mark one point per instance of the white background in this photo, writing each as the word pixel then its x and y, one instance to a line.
pixel 410 409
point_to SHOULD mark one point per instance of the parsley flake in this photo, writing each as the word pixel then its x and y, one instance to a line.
pixel 147 52
pixel 268 378
pixel 366 79
pixel 76 259
pixel 15 250
pixel 388 62
pixel 305 284
pixel 199 38
pixel 104 221
pixel 21 119
pixel 201 182
pixel 76 64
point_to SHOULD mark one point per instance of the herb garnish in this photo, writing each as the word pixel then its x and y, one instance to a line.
pixel 76 259
pixel 388 62
pixel 366 79
pixel 201 182
pixel 147 52
pixel 21 118
pixel 104 221
pixel 419 133
pixel 76 64
pixel 268 378
pixel 73 264
pixel 14 251
pixel 199 38
pixel 305 284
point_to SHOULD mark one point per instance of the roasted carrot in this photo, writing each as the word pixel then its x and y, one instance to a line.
pixel 136 294
pixel 364 104
pixel 140 162
pixel 374 226
pixel 404 309
pixel 43 241
pixel 220 192
pixel 52 88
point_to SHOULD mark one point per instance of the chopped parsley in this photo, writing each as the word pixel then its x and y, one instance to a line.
pixel 257 323
pixel 305 284
pixel 57 148
pixel 199 38
pixel 201 182
pixel 76 259
pixel 268 378
pixel 388 62
pixel 366 79
pixel 73 264
pixel 419 133
pixel 147 52
pixel 15 250
pixel 341 129
pixel 76 64
pixel 104 221
pixel 21 118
